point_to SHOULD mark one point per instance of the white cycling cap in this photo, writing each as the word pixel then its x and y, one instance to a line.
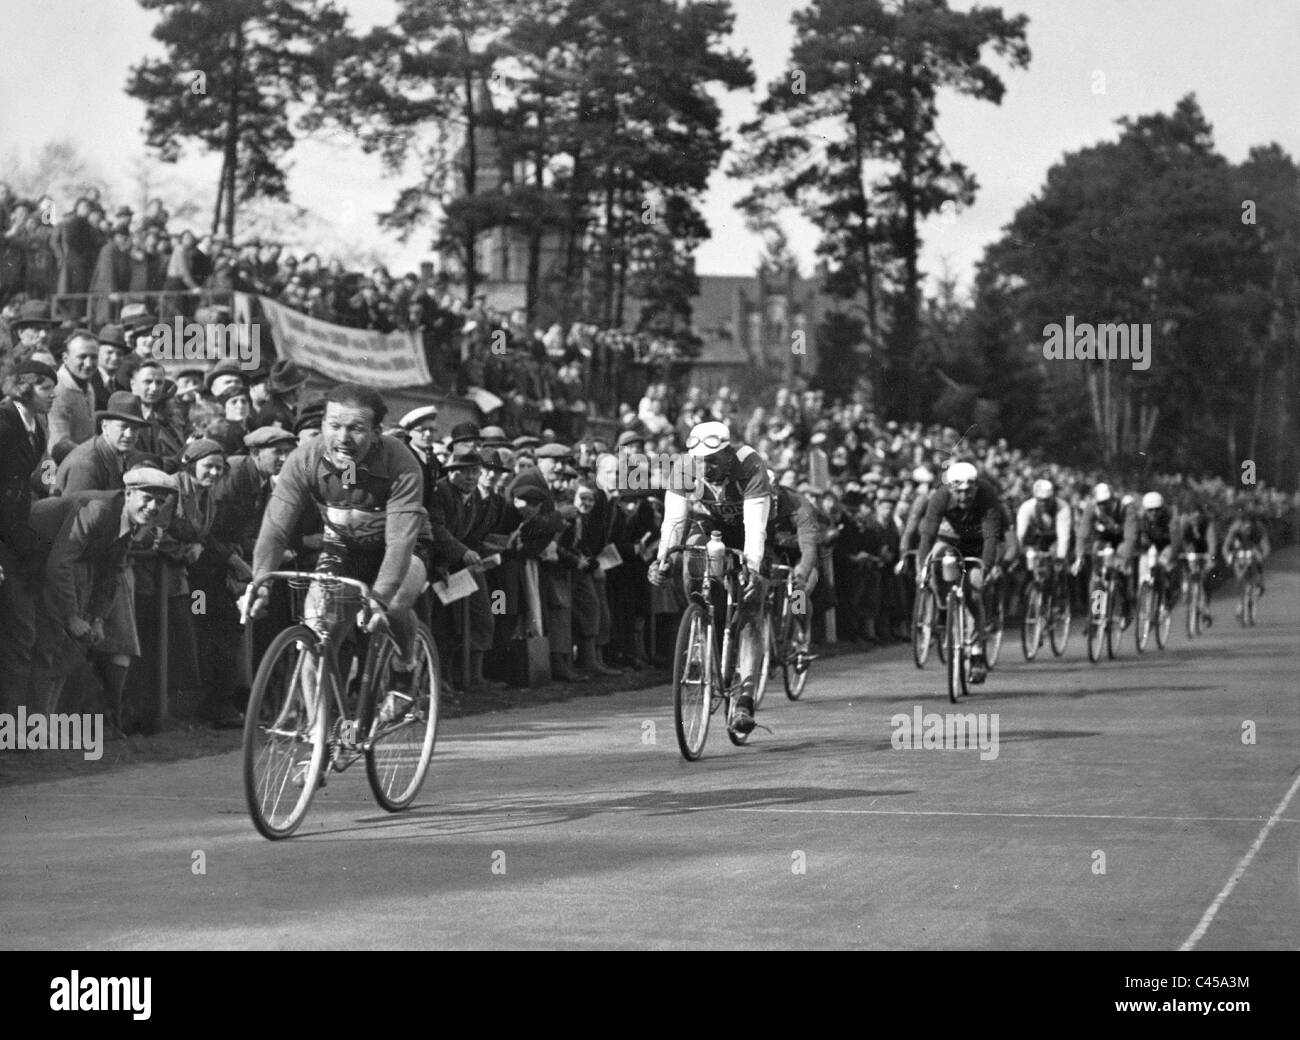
pixel 960 473
pixel 1101 493
pixel 707 438
pixel 1153 500
pixel 1043 489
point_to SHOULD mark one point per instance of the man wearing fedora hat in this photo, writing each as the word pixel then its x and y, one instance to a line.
pixel 99 463
pixel 283 385
pixel 112 349
pixel 72 416
pixel 224 377
pixel 32 327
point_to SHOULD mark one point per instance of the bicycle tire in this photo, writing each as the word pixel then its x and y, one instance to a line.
pixel 270 766
pixel 1098 622
pixel 794 678
pixel 1164 619
pixel 1142 626
pixel 1115 623
pixel 993 640
pixel 1031 628
pixel 923 617
pixel 1252 597
pixel 692 709
pixel 1059 631
pixel 396 768
pixel 956 651
pixel 770 651
pixel 1193 609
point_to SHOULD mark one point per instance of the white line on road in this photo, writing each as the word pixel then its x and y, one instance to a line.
pixel 1203 927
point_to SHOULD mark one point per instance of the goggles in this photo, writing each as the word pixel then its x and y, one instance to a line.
pixel 711 441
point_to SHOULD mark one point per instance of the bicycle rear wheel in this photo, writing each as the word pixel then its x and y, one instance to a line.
pixel 284 732
pixel 400 712
pixel 693 677
pixel 1031 629
pixel 1252 595
pixel 923 612
pixel 795 664
pixel 956 651
pixel 1061 619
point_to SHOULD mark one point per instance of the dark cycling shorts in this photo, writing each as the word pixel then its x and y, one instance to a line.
pixel 360 564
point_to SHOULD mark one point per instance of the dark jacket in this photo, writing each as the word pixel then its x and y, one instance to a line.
pixel 92 466
pixel 81 528
pixel 20 464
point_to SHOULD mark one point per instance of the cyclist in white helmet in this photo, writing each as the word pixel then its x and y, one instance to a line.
pixel 723 488
pixel 966 514
pixel 1043 521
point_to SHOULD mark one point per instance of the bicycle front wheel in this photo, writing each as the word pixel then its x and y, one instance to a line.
pixel 923 625
pixel 1164 615
pixel 1061 619
pixel 400 713
pixel 693 675
pixel 1098 620
pixel 795 663
pixel 956 651
pixel 284 732
pixel 770 652
pixel 1193 610
pixel 995 618
pixel 1145 617
pixel 1031 629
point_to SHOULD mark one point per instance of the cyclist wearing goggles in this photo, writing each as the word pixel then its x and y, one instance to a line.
pixel 719 487
pixel 965 514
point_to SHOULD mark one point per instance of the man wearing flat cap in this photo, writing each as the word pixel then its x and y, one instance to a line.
pixel 28 391
pixel 86 540
pixel 422 423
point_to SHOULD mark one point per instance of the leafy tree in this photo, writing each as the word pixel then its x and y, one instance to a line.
pixel 233 72
pixel 848 136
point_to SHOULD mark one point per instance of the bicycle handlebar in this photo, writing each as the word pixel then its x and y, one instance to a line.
pixel 308 576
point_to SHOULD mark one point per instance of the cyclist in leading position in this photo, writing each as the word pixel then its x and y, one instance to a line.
pixel 719 487
pixel 368 489
pixel 965 514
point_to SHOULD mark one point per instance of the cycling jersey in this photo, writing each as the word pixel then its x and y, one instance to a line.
pixel 1196 535
pixel 1044 524
pixel 1100 524
pixel 975 530
pixel 373 518
pixel 738 505
pixel 1155 527
pixel 791 526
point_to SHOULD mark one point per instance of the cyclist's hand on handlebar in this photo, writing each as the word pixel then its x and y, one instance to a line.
pixel 258 606
pixel 378 616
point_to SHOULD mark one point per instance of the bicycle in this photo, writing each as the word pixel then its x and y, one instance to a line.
pixel 704 672
pixel 1245 565
pixel 1106 605
pixel 1153 607
pixel 960 627
pixel 1194 590
pixel 789 632
pixel 298 719
pixel 1047 606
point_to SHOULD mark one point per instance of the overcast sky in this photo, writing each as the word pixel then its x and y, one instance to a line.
pixel 66 61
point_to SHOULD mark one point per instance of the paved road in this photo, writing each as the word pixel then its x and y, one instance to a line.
pixel 562 826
